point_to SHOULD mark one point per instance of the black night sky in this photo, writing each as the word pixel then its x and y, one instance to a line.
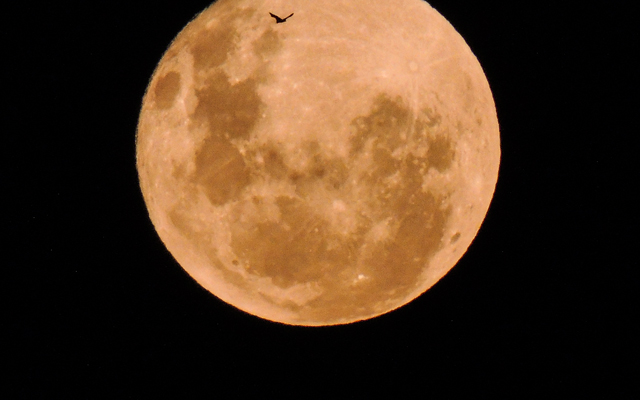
pixel 543 304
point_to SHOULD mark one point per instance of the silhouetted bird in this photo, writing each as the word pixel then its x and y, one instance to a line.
pixel 278 19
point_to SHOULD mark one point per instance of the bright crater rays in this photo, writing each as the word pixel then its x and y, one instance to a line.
pixel 320 171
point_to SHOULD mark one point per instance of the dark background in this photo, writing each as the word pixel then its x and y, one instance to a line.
pixel 544 302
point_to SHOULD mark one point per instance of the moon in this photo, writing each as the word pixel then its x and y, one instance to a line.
pixel 321 171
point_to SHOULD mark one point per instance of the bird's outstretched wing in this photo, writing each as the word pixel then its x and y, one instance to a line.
pixel 278 19
pixel 289 16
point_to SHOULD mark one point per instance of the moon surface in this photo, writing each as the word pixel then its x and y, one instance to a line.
pixel 320 171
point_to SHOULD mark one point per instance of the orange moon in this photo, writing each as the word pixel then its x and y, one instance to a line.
pixel 320 171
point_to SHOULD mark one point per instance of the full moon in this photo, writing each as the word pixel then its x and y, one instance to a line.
pixel 322 170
